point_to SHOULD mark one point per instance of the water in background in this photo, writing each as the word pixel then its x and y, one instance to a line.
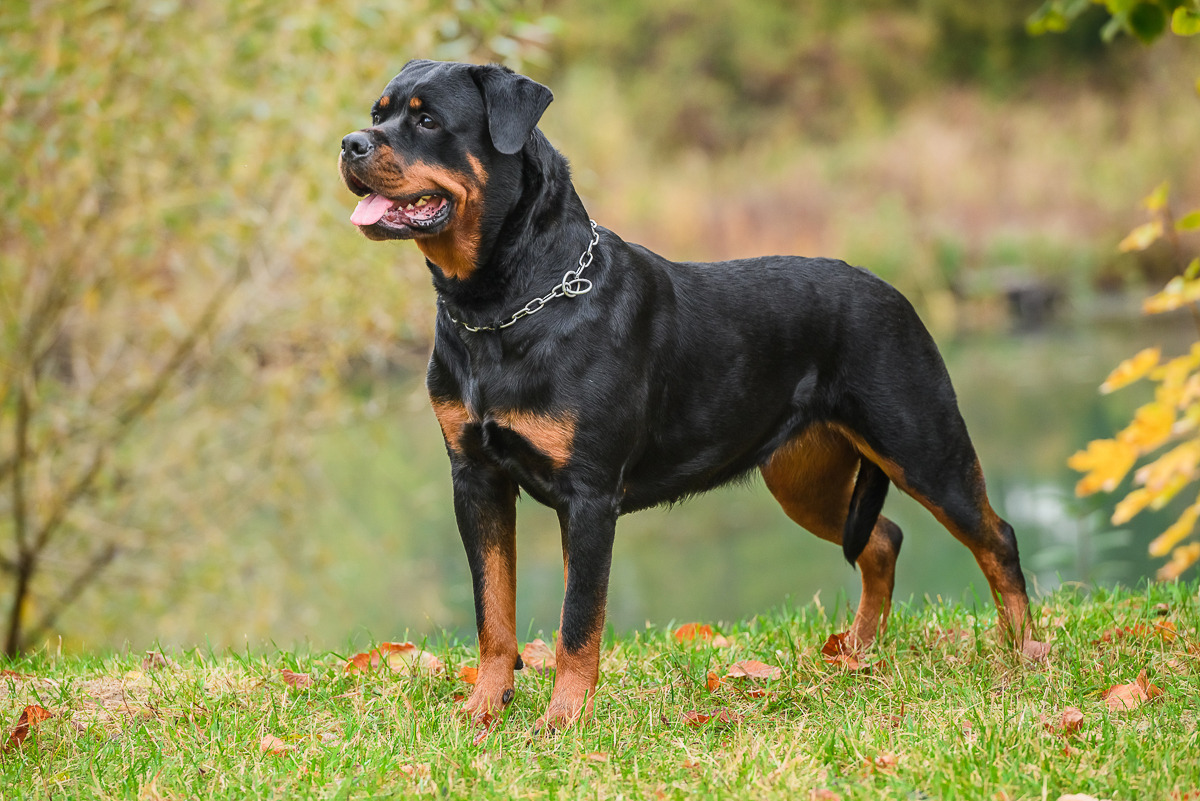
pixel 396 568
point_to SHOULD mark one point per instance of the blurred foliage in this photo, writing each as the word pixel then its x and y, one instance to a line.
pixel 740 71
pixel 174 256
pixel 1173 416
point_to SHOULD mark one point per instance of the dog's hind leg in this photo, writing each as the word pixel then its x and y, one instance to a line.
pixel 813 478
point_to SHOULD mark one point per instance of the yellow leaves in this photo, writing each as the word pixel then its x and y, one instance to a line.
pixel 1178 292
pixel 1182 558
pixel 1151 427
pixel 1157 200
pixel 1106 461
pixel 1141 237
pixel 1131 370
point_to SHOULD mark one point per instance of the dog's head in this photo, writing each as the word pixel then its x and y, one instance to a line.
pixel 439 133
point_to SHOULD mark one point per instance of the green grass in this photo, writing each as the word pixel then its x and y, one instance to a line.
pixel 946 713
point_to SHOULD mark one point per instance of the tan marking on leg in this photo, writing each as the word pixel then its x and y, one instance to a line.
pixel 498 635
pixel 575 682
pixel 812 476
pixel 451 416
pixel 553 435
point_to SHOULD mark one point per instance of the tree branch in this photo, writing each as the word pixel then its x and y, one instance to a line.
pixel 100 560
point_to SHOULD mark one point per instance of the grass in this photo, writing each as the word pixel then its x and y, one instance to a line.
pixel 944 713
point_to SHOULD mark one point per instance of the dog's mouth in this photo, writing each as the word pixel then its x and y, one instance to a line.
pixel 421 212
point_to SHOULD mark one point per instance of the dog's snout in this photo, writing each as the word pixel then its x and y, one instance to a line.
pixel 357 145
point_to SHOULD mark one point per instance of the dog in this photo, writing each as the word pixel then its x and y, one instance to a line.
pixel 601 378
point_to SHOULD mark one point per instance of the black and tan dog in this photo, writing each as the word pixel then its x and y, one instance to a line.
pixel 602 379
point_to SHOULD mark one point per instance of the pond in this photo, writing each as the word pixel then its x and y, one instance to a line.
pixel 396 568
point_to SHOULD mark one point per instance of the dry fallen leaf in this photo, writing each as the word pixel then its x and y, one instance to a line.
pixel 30 717
pixel 415 772
pixel 270 744
pixel 713 682
pixel 721 641
pixel 538 656
pixel 721 716
pixel 822 794
pixel 597 756
pixel 1068 722
pixel 293 679
pixel 753 669
pixel 694 631
pixel 1161 628
pixel 884 762
pixel 154 660
pixel 1121 697
pixel 398 657
pixel 12 674
pixel 836 651
pixel 468 674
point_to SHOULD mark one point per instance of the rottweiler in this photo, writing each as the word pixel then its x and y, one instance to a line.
pixel 601 378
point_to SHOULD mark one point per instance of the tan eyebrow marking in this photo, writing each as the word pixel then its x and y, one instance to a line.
pixel 415 103
pixel 384 101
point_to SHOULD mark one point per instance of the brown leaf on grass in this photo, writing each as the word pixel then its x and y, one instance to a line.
pixel 713 682
pixel 539 656
pixel 468 674
pixel 298 680
pixel 885 762
pixel 1066 723
pixel 753 669
pixel 398 656
pixel 1162 628
pixel 597 756
pixel 12 674
pixel 1035 651
pixel 756 692
pixel 721 716
pixel 31 716
pixel 694 631
pixel 156 660
pixel 1078 797
pixel 270 744
pixel 415 772
pixel 1121 697
pixel 837 651
pixel 822 794
pixel 721 641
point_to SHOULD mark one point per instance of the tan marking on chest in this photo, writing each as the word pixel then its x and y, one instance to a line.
pixel 552 434
pixel 451 416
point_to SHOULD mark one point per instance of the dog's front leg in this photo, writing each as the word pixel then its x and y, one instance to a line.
pixel 588 528
pixel 485 505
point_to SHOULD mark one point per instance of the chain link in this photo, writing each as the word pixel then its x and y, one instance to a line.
pixel 571 286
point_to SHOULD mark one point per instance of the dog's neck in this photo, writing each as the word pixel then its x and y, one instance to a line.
pixel 534 211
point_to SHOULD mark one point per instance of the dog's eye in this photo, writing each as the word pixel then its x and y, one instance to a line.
pixel 374 119
pixel 425 121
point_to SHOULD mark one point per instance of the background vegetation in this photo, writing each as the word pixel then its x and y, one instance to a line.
pixel 183 303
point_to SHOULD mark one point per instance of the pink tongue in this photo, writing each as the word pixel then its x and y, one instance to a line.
pixel 370 209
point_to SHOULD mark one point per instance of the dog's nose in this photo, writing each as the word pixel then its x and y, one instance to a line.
pixel 357 145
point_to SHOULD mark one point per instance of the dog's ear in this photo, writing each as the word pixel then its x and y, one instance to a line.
pixel 514 105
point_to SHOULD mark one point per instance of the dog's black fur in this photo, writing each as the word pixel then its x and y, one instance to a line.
pixel 665 380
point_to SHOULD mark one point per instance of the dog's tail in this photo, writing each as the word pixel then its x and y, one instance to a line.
pixel 870 488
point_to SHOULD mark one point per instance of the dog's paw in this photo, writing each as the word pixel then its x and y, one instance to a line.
pixel 565 709
pixel 1035 651
pixel 487 701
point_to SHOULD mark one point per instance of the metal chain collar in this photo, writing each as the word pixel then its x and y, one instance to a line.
pixel 571 286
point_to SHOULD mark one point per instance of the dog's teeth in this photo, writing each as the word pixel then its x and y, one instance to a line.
pixel 409 207
pixel 423 201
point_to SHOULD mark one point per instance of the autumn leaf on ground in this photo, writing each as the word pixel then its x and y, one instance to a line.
pixel 298 680
pixel 597 756
pixel 397 656
pixel 836 651
pixel 31 716
pixel 12 674
pixel 823 794
pixel 539 656
pixel 154 660
pixel 885 762
pixel 1163 628
pixel 753 669
pixel 721 716
pixel 415 772
pixel 712 682
pixel 1122 697
pixel 270 744
pixel 1066 723
pixel 468 674
pixel 694 631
